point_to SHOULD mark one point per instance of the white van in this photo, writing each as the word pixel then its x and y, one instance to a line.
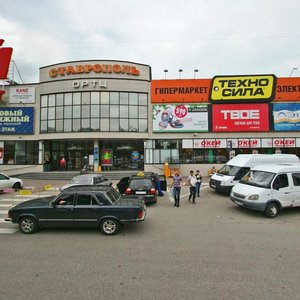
pixel 269 188
pixel 235 169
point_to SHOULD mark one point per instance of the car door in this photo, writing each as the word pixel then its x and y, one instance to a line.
pixel 123 184
pixel 4 182
pixel 296 188
pixel 86 210
pixel 282 191
pixel 60 213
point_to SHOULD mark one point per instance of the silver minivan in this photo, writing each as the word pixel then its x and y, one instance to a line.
pixel 269 188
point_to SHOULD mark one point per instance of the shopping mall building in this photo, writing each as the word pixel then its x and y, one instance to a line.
pixel 116 115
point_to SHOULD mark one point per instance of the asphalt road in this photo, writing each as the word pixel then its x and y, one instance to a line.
pixel 208 250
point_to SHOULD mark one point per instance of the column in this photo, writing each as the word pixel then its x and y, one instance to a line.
pixel 96 155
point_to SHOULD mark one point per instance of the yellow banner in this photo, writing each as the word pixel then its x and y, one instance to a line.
pixel 257 88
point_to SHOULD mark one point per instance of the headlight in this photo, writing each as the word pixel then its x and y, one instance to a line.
pixel 253 197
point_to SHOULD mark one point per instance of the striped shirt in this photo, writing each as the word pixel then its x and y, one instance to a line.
pixel 177 181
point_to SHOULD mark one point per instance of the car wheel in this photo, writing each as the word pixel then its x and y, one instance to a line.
pixel 272 210
pixel 110 226
pixel 28 225
pixel 17 186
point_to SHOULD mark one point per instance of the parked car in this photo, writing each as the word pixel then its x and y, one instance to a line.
pixel 10 182
pixel 79 206
pixel 141 184
pixel 87 179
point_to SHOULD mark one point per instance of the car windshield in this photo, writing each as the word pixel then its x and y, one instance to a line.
pixel 229 170
pixel 258 178
pixel 113 195
pixel 140 184
pixel 82 180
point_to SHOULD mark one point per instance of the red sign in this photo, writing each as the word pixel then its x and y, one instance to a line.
pixel 5 55
pixel 284 143
pixel 240 117
pixel 288 89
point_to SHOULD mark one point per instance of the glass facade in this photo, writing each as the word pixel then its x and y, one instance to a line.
pixel 20 152
pixel 94 111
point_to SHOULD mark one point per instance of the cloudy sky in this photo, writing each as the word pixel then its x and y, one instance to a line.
pixel 217 37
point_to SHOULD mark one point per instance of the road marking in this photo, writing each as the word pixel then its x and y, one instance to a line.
pixel 5 205
pixel 3 212
pixel 7 230
pixel 2 221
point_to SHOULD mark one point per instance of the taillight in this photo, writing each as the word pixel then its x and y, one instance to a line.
pixel 128 191
pixel 141 214
pixel 153 191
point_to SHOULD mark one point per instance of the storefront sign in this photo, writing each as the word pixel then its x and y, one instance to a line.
pixel 106 157
pixel 22 95
pixel 248 143
pixel 180 118
pixel 16 120
pixel 210 143
pixel 183 91
pixel 284 143
pixel 288 89
pixel 240 117
pixel 286 116
pixel 89 84
pixel 258 88
pixel 96 68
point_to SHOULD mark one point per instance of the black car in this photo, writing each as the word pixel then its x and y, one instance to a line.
pixel 79 206
pixel 141 184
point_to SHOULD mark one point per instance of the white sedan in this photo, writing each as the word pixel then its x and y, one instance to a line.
pixel 10 182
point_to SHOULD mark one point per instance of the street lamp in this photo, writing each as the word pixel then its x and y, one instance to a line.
pixel 180 71
pixel 166 71
pixel 293 71
pixel 195 71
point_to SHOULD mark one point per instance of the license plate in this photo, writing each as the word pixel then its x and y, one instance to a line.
pixel 140 193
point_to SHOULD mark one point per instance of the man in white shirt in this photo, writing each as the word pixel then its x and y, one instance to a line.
pixel 192 182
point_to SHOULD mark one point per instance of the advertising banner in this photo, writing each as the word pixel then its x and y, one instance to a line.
pixel 210 143
pixel 287 89
pixel 240 117
pixel 16 120
pixel 286 116
pixel 180 118
pixel 182 91
pixel 256 88
pixel 22 95
pixel 106 157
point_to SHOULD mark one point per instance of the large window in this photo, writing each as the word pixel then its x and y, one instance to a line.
pixel 21 152
pixel 94 111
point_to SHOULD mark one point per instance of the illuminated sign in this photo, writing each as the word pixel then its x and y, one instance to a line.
pixel 255 88
pixel 240 117
pixel 97 68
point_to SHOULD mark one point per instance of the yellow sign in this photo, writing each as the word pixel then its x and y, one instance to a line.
pixel 256 88
pixel 25 192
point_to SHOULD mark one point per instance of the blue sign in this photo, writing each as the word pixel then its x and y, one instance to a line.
pixel 286 116
pixel 16 120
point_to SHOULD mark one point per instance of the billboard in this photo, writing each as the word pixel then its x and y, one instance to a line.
pixel 16 120
pixel 254 88
pixel 180 91
pixel 180 118
pixel 22 95
pixel 240 117
pixel 286 116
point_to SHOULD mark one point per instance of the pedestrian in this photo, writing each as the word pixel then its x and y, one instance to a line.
pixel 177 179
pixel 62 164
pixel 198 183
pixel 192 182
pixel 47 163
pixel 157 184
